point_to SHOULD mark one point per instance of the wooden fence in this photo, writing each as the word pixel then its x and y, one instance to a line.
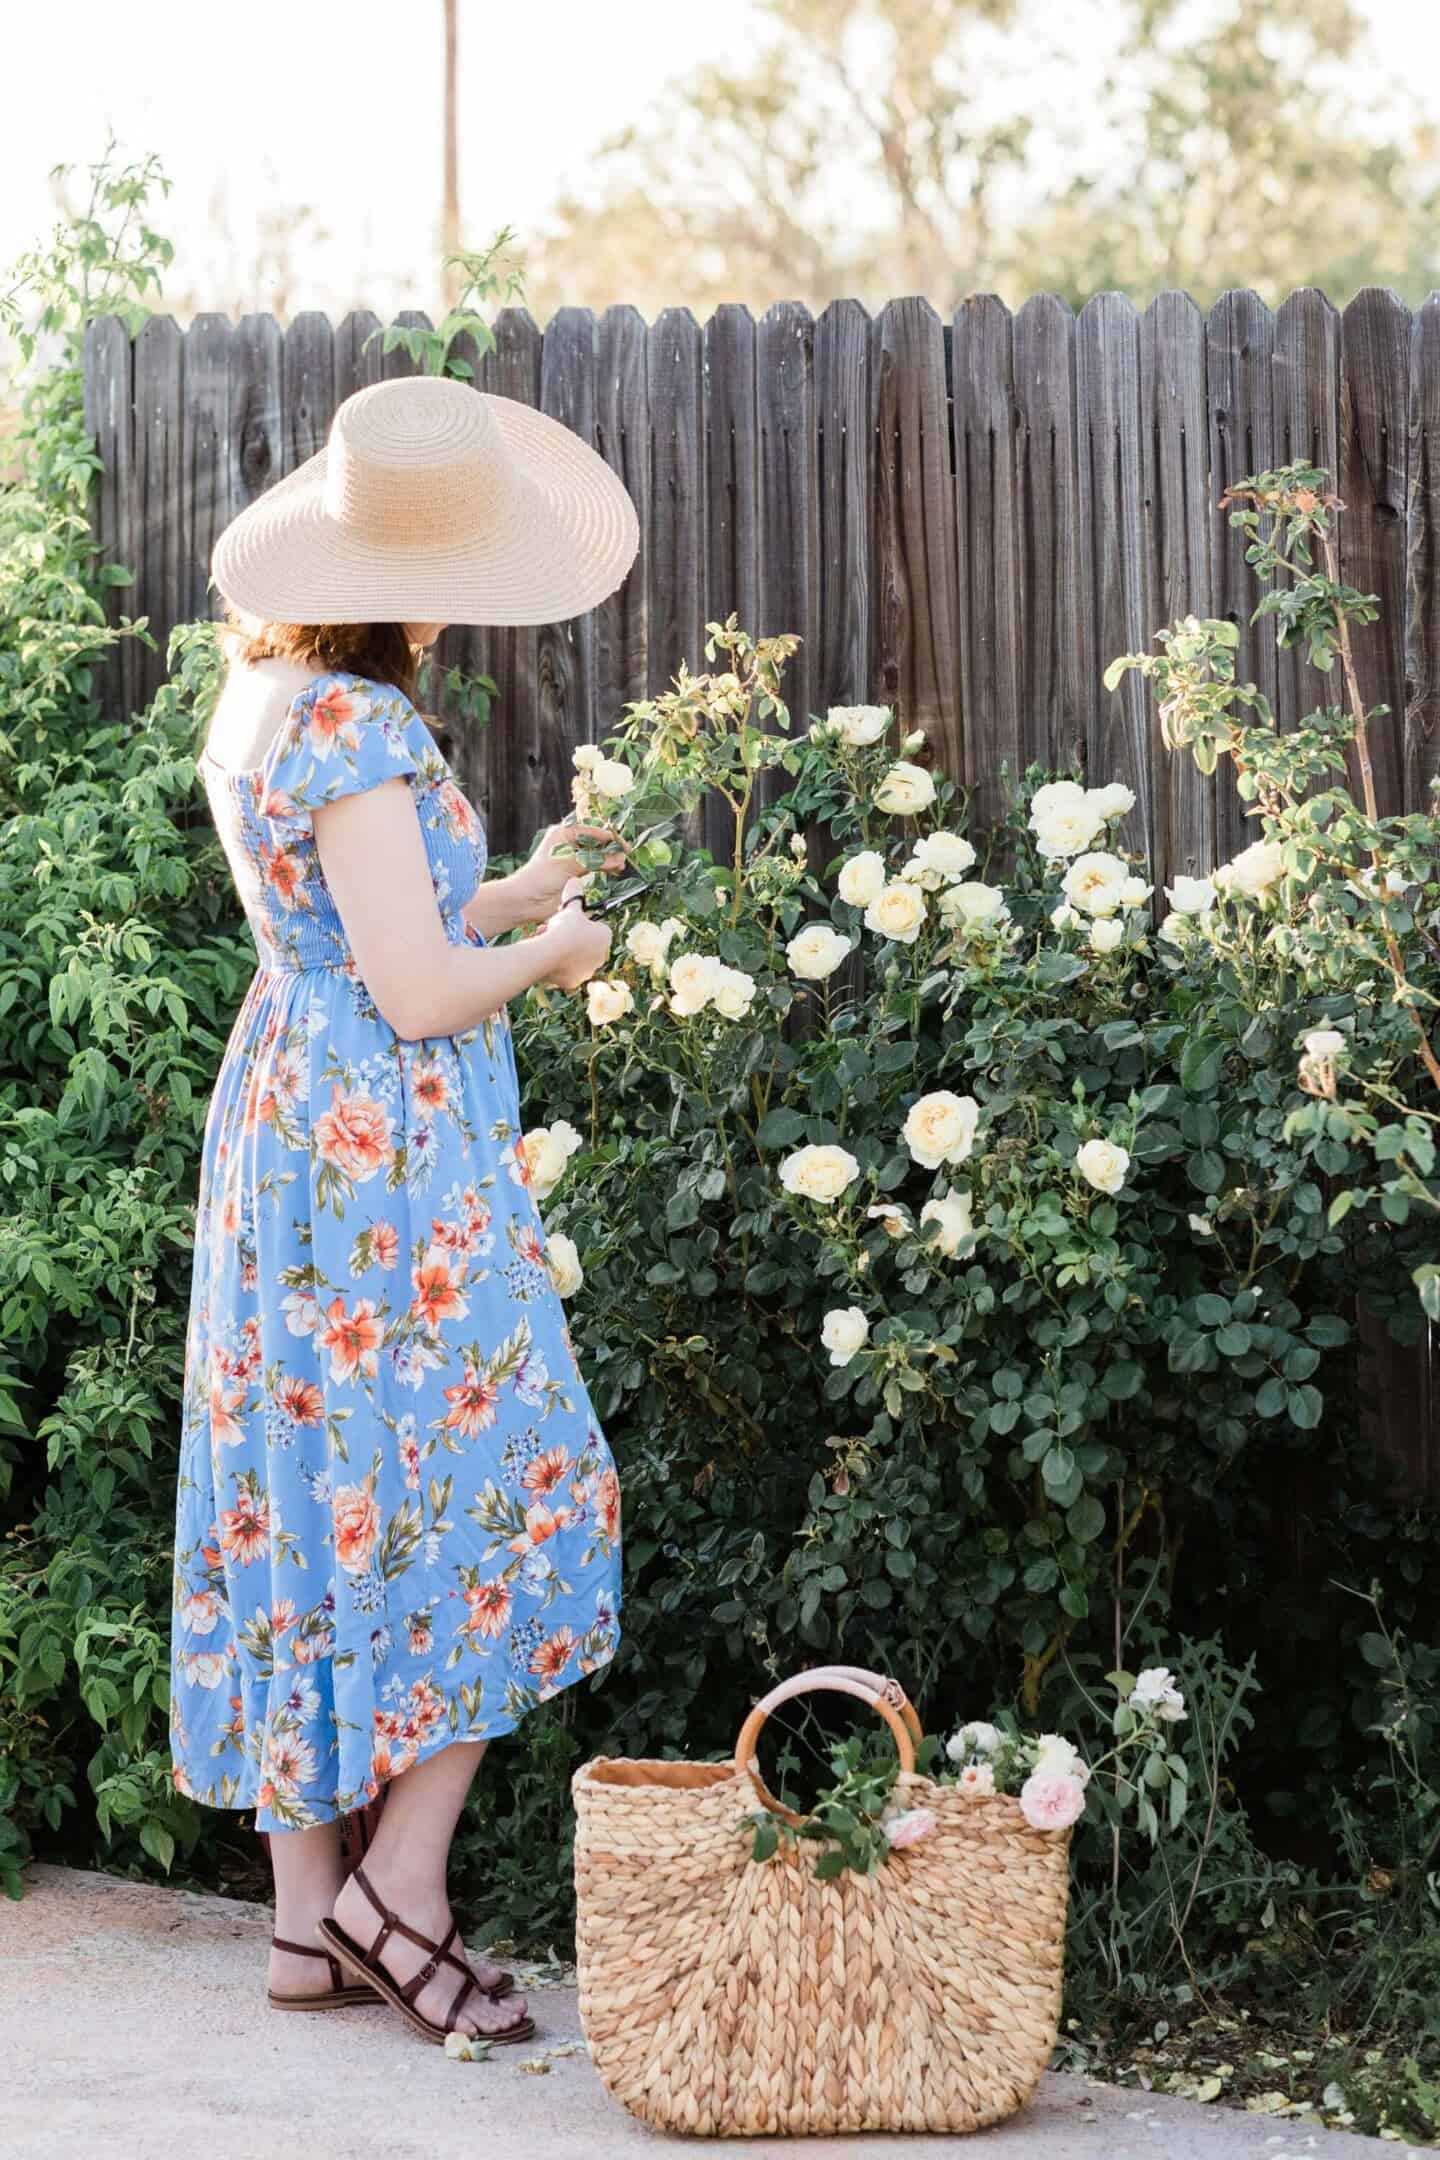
pixel 967 519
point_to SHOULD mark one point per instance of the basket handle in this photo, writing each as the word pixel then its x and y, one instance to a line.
pixel 866 1687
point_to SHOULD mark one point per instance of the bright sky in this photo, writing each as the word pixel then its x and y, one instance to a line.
pixel 334 108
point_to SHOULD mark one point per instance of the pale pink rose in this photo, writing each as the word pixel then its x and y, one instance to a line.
pixel 909 1827
pixel 1051 1803
pixel 979 1779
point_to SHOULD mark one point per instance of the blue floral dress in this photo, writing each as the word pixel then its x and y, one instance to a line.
pixel 398 1519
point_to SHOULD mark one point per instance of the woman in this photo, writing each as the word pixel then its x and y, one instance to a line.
pixel 398 1517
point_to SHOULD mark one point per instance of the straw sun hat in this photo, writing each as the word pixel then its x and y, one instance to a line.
pixel 433 502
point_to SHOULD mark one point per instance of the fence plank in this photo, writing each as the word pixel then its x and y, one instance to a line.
pixel 1057 687
pixel 206 466
pixel 842 421
pixel 916 656
pixel 1240 382
pixel 309 388
pixel 109 421
pixel 525 790
pixel 1107 391
pixel 1307 425
pixel 1374 484
pixel 677 495
pixel 987 500
pixel 357 362
pixel 565 652
pixel 622 436
pixel 732 499
pixel 159 515
pixel 1175 477
pixel 790 502
pixel 1422 564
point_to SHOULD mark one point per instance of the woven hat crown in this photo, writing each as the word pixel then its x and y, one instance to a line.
pixel 417 462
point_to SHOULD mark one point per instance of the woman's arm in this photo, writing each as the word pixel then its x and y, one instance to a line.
pixel 502 903
pixel 372 852
pixel 533 892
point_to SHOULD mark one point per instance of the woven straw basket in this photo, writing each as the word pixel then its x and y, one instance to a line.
pixel 727 1997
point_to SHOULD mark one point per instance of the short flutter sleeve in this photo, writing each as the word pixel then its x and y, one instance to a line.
pixel 342 735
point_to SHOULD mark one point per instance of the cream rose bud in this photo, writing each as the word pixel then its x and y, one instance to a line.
pixel 859 724
pixel 607 1000
pixel 914 741
pixel 1253 871
pixel 1135 892
pixel 940 1128
pixel 611 778
pixel 1113 801
pixel 1063 818
pixel 1064 917
pixel 816 951
pixel 1191 895
pixel 971 905
pixel 944 856
pixel 862 878
pixel 734 993
pixel 1325 1043
pixel 1201 1225
pixel 895 1220
pixel 1106 934
pixel 565 1267
pixel 1177 929
pixel 1093 883
pixel 586 754
pixel 819 1173
pixel 954 1220
pixel 897 911
pixel 843 1332
pixel 1102 1164
pixel 694 979
pixel 905 790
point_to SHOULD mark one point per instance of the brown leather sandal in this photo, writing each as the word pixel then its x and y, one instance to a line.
pixel 340 1997
pixel 402 1998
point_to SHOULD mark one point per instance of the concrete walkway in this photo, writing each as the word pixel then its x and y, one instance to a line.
pixel 133 2023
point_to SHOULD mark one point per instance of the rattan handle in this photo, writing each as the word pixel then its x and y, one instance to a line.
pixel 865 1686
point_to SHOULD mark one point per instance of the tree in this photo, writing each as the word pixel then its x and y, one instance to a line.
pixel 875 147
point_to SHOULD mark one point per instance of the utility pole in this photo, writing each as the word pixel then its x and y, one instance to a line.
pixel 450 203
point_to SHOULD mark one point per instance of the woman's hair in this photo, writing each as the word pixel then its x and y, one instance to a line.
pixel 380 651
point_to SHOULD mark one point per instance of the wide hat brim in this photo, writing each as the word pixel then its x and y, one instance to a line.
pixel 568 535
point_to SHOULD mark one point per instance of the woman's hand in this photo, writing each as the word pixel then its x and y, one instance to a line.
pixel 580 943
pixel 541 881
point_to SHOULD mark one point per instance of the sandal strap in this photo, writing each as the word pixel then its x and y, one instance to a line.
pixel 442 1955
pixel 294 1949
pixel 461 1992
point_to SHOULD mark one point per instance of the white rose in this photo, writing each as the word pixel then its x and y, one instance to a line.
pixel 734 993
pixel 843 1332
pixel 905 790
pixel 977 1738
pixel 1064 917
pixel 1134 892
pixel 816 951
pixel 694 979
pixel 914 741
pixel 1093 883
pixel 1191 895
pixel 895 1219
pixel 819 1173
pixel 944 856
pixel 1177 929
pixel 1102 1164
pixel 1106 934
pixel 649 942
pixel 606 1000
pixel 1324 1043
pixel 1113 801
pixel 1253 872
pixel 954 1217
pixel 586 754
pixel 565 1267
pixel 1063 818
pixel 547 1149
pixel 973 904
pixel 1201 1225
pixel 897 911
pixel 941 1128
pixel 862 877
pixel 859 724
pixel 611 778
pixel 1389 885
pixel 1155 1691
pixel 1055 1757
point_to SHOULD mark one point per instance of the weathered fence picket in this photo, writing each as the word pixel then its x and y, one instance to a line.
pixel 967 519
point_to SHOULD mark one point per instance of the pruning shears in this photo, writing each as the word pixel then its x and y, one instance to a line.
pixel 633 885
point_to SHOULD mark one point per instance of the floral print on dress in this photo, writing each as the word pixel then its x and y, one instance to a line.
pixel 398 1518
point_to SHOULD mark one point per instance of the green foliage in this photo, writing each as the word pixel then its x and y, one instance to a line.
pixel 487 276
